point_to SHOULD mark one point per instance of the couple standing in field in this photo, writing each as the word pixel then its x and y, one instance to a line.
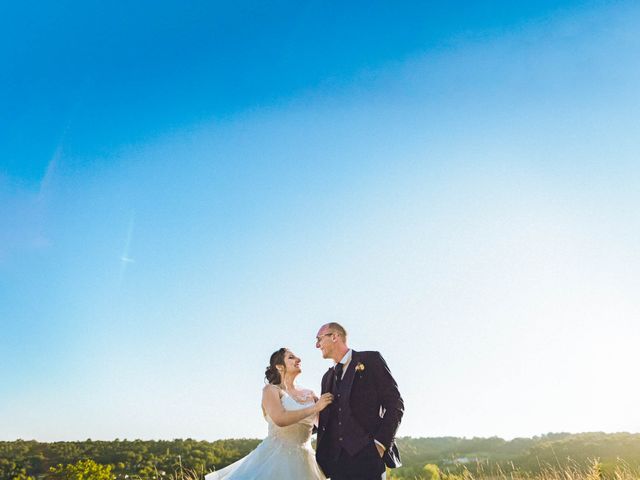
pixel 357 416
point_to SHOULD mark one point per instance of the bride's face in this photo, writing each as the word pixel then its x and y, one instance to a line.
pixel 291 363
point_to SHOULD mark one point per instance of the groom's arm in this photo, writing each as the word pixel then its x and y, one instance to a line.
pixel 391 401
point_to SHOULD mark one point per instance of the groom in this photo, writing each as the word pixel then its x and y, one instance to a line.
pixel 356 433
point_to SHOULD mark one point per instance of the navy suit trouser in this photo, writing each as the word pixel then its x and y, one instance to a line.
pixel 364 465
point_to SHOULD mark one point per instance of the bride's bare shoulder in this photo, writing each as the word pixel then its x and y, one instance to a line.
pixel 272 389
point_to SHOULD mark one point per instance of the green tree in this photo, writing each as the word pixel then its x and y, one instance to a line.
pixel 82 470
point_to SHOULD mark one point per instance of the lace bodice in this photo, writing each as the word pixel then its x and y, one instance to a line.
pixel 298 433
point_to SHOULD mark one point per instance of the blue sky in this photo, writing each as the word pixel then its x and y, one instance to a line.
pixel 184 189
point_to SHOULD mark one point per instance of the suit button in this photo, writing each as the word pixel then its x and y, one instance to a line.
pixel 340 439
pixel 339 423
pixel 339 409
pixel 338 395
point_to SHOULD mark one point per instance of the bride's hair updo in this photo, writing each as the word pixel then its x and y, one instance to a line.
pixel 272 375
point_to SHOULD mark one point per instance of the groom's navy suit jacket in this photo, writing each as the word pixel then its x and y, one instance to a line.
pixel 369 407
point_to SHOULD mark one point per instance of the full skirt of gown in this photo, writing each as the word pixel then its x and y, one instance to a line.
pixel 286 453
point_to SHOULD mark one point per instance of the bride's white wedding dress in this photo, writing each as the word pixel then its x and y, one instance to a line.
pixel 285 454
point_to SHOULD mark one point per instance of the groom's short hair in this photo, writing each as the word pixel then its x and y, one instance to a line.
pixel 337 328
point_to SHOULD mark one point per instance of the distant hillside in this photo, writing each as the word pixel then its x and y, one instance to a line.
pixel 22 459
pixel 532 455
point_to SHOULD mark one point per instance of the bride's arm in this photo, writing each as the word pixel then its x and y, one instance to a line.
pixel 283 418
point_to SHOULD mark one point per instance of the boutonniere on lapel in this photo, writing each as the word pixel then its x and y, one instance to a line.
pixel 360 367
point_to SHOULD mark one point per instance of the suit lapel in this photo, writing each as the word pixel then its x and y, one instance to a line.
pixel 326 387
pixel 326 381
pixel 347 380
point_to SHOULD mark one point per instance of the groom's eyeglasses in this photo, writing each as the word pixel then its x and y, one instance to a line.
pixel 320 337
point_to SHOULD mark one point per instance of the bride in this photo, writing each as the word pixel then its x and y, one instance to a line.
pixel 290 412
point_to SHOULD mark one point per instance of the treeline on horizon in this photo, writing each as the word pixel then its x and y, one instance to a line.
pixel 152 459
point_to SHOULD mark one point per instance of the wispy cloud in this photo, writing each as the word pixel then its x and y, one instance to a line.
pixel 23 210
pixel 125 258
pixel 52 166
pixel 49 172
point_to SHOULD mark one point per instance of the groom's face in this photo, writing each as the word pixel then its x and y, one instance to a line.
pixel 324 341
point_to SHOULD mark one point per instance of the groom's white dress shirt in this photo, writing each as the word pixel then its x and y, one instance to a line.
pixel 346 360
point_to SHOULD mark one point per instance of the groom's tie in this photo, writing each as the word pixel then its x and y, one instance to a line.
pixel 338 370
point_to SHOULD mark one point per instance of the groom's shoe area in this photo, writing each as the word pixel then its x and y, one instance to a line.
pixel 367 410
